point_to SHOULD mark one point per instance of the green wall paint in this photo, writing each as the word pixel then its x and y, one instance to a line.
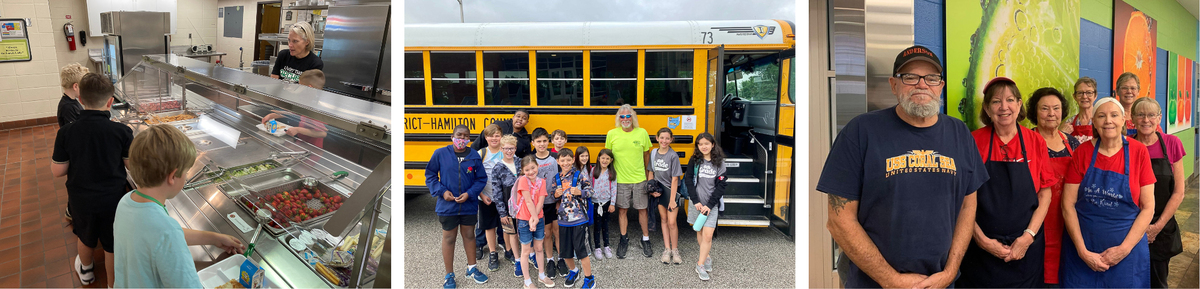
pixel 1188 138
pixel 1098 11
pixel 1177 30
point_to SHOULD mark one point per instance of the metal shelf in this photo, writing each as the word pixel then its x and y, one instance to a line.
pixel 320 7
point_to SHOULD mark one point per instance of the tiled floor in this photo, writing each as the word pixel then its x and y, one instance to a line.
pixel 35 249
pixel 1185 267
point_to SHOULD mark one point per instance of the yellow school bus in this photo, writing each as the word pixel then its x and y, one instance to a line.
pixel 730 78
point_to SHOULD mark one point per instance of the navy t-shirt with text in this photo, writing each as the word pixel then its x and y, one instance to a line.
pixel 910 183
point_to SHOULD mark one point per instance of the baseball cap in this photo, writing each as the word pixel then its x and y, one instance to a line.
pixel 914 53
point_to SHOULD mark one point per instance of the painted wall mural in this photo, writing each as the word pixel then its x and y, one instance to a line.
pixel 1036 43
pixel 1180 87
pixel 1135 43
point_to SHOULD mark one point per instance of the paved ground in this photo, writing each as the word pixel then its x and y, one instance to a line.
pixel 743 257
pixel 1185 267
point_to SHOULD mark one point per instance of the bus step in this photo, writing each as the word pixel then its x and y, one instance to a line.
pixel 744 200
pixel 758 221
pixel 742 180
pixel 739 166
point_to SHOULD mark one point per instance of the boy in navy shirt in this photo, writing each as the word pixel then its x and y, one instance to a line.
pixel 92 153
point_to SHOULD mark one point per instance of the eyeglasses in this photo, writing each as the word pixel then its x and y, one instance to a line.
pixel 1086 93
pixel 624 116
pixel 1128 88
pixel 509 149
pixel 1146 115
pixel 912 79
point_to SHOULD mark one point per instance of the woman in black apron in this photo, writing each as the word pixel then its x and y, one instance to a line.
pixel 1163 232
pixel 1007 249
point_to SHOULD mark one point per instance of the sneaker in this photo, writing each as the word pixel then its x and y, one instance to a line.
pixel 703 274
pixel 562 268
pixel 622 247
pixel 708 264
pixel 449 281
pixel 666 257
pixel 508 255
pixel 478 253
pixel 533 260
pixel 551 269
pixel 493 261
pixel 548 282
pixel 531 285
pixel 85 274
pixel 608 252
pixel 517 271
pixel 478 276
pixel 589 282
pixel 599 254
pixel 646 248
pixel 675 257
pixel 569 282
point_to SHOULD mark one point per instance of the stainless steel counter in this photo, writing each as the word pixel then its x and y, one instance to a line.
pixel 343 112
pixel 206 207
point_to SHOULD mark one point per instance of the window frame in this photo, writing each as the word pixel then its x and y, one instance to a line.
pixel 691 79
pixel 406 79
pixel 528 83
pixel 633 79
pixel 583 69
pixel 473 79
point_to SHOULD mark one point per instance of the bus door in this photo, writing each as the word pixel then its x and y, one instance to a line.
pixel 715 90
pixel 785 142
pixel 748 137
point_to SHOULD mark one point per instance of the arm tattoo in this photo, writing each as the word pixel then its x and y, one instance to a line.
pixel 837 203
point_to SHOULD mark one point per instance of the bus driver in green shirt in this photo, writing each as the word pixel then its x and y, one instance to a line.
pixel 631 147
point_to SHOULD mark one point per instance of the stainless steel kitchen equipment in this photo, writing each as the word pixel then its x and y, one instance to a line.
pixel 128 35
pixel 356 47
pixel 224 197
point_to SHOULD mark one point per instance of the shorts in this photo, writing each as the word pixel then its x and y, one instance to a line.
pixel 527 236
pixel 693 213
pixel 92 227
pixel 665 200
pixel 511 228
pixel 550 212
pixel 572 242
pixel 632 195
pixel 449 223
pixel 489 217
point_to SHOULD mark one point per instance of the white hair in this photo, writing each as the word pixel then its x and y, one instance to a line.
pixel 631 112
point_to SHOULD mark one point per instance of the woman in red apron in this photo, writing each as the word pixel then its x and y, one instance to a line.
pixel 1165 152
pixel 1048 107
pixel 1107 205
pixel 1007 249
pixel 1085 95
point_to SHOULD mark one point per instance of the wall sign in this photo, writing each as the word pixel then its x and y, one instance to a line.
pixel 14 40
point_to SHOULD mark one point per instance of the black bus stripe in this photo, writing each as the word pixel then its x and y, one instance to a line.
pixel 586 138
pixel 543 110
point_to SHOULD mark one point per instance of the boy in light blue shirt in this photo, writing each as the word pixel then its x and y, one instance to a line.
pixel 151 248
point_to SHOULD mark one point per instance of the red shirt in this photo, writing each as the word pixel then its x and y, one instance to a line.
pixel 534 190
pixel 1037 154
pixel 1140 172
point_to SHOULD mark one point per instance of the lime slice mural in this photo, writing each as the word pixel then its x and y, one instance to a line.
pixel 1036 43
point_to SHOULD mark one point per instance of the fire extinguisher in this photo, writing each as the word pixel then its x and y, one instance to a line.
pixel 69 30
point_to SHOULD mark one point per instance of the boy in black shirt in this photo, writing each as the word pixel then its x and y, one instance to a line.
pixel 68 106
pixel 92 152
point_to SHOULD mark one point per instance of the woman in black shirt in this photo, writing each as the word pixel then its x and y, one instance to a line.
pixel 298 58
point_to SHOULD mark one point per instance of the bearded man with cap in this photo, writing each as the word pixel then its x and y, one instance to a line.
pixel 901 183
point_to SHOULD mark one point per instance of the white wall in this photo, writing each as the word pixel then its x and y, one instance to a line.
pixel 30 90
pixel 230 45
pixel 199 18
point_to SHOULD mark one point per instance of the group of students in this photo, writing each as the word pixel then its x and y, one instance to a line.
pixel 143 245
pixel 555 197
pixel 1085 203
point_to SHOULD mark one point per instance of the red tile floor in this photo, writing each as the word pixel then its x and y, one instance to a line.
pixel 36 250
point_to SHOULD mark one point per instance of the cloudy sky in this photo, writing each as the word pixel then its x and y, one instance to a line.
pixel 487 11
